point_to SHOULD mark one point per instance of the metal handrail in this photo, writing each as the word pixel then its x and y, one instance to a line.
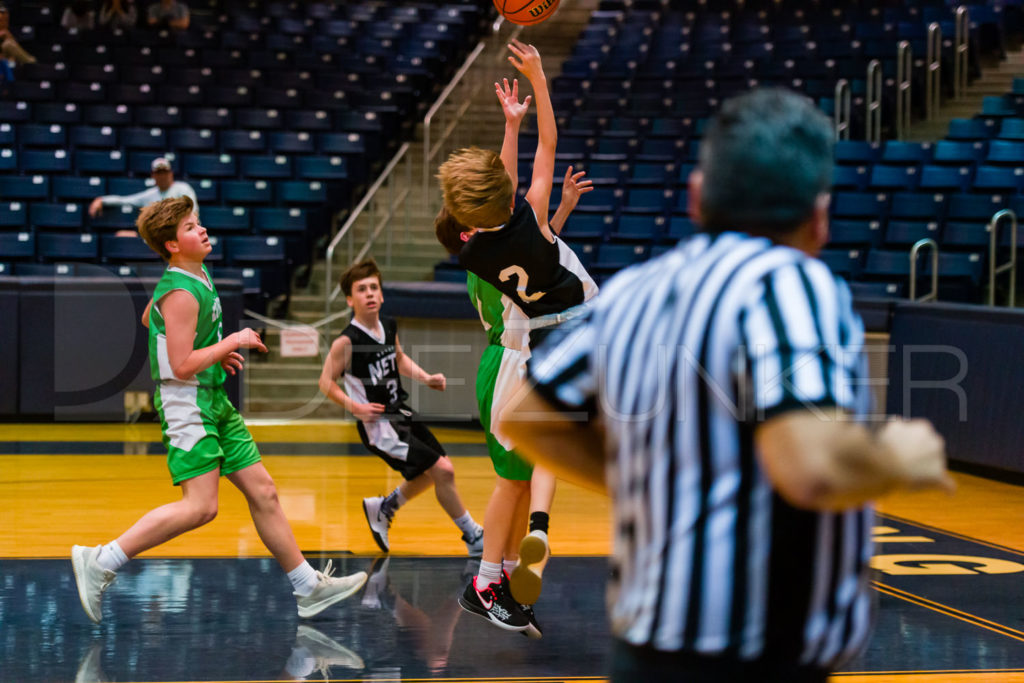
pixel 873 102
pixel 918 246
pixel 1011 265
pixel 961 46
pixel 841 111
pixel 904 65
pixel 933 80
pixel 331 294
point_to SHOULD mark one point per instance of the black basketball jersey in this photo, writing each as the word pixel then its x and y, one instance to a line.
pixel 541 277
pixel 372 375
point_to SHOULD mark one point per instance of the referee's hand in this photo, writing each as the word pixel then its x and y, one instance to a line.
pixel 920 453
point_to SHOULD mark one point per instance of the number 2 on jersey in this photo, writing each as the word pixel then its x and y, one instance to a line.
pixel 523 281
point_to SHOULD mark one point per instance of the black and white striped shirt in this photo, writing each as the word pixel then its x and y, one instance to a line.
pixel 682 357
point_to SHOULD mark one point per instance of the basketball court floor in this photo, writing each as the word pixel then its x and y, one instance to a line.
pixel 213 606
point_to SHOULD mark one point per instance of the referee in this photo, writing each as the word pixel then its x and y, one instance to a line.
pixel 718 393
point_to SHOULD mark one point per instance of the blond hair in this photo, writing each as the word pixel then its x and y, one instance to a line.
pixel 359 271
pixel 476 187
pixel 158 223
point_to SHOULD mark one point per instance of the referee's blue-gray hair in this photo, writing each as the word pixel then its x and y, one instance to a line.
pixel 766 157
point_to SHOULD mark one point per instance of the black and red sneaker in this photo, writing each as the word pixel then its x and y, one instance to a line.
pixel 494 604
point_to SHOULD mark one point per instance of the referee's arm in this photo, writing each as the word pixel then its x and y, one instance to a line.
pixel 823 460
pixel 572 450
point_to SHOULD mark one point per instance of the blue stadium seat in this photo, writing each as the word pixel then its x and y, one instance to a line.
pixel 114 218
pixel 44 269
pixel 246 192
pixel 94 162
pixel 897 152
pixel 15 111
pixel 917 205
pixel 158 116
pixel 905 233
pixel 973 207
pixel 853 178
pixel 965 235
pixel 877 290
pixel 944 178
pixel 104 137
pixel 7 137
pixel 857 152
pixel 249 277
pixel 259 119
pixel 971 129
pixel 126 249
pixel 302 192
pixel 847 263
pixel 340 143
pixel 66 113
pixel 289 142
pixel 612 257
pixel 959 153
pixel 24 187
pixel 107 115
pixel 67 246
pixel 58 216
pixel 858 233
pixel 143 138
pixel 639 228
pixel 226 219
pixel 193 140
pixel 860 205
pixel 1011 129
pixel 279 220
pixel 210 166
pixel 75 189
pixel 45 161
pixel 209 117
pixel 126 186
pixel 42 135
pixel 990 179
pixel 893 177
pixel 309 120
pixel 8 160
pixel 321 168
pixel 588 226
pixel 238 141
pixel 16 246
pixel 262 249
pixel 266 166
pixel 1005 152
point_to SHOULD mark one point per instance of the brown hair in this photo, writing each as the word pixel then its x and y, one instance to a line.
pixel 477 189
pixel 358 271
pixel 448 231
pixel 158 222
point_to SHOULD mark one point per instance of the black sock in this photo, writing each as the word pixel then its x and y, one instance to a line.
pixel 539 521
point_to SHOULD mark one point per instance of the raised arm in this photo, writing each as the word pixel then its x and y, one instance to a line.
pixel 338 358
pixel 514 112
pixel 526 58
pixel 572 187
pixel 408 367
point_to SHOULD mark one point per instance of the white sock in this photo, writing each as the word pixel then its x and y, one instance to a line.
pixel 111 557
pixel 543 535
pixel 301 663
pixel 303 579
pixel 490 572
pixel 509 565
pixel 467 525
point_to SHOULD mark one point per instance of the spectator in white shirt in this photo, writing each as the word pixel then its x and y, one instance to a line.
pixel 166 188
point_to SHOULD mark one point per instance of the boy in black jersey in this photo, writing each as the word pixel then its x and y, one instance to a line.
pixel 370 357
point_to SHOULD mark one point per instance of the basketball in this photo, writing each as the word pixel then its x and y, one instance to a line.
pixel 526 12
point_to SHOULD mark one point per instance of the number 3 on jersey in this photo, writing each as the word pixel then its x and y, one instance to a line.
pixel 522 283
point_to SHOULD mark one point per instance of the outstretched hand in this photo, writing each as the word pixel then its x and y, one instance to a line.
pixel 509 99
pixel 526 58
pixel 573 186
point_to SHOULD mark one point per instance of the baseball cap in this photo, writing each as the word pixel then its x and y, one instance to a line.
pixel 160 164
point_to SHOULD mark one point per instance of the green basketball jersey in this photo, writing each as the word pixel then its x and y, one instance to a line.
pixel 489 305
pixel 209 326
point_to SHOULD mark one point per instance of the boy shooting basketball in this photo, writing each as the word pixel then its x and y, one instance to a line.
pixel 204 435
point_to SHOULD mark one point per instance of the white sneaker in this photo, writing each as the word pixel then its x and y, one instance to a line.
pixel 525 581
pixel 377 584
pixel 89 670
pixel 327 652
pixel 329 590
pixel 378 519
pixel 91 578
pixel 474 545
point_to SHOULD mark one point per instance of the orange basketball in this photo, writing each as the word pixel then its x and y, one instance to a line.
pixel 526 12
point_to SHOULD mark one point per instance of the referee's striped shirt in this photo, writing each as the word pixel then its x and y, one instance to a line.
pixel 682 357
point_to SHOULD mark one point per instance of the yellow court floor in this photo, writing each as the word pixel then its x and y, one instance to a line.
pixel 84 484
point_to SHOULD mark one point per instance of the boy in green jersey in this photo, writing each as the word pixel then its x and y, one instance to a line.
pixel 520 490
pixel 204 434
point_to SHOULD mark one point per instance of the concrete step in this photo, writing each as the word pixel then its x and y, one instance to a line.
pixel 292 409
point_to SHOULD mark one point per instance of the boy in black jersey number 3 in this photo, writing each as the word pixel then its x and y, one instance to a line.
pixel 371 359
